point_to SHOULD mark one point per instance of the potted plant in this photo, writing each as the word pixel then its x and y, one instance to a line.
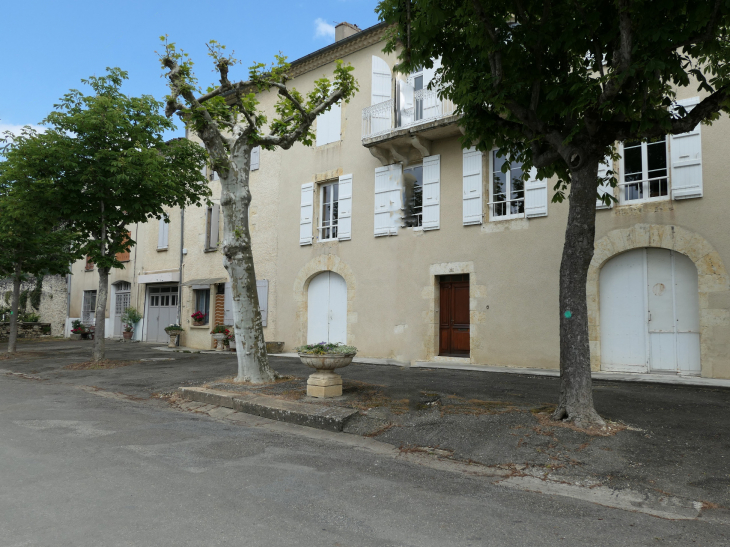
pixel 130 317
pixel 198 318
pixel 325 358
pixel 230 341
pixel 77 329
pixel 173 331
pixel 220 333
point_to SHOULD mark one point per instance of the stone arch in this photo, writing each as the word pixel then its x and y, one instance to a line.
pixel 317 265
pixel 713 280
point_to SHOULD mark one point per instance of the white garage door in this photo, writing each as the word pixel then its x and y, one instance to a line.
pixel 162 312
pixel 649 306
pixel 327 309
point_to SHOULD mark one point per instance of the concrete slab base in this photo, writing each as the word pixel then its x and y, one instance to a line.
pixel 324 385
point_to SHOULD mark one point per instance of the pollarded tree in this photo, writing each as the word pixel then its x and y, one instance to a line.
pixel 109 166
pixel 34 240
pixel 227 118
pixel 554 84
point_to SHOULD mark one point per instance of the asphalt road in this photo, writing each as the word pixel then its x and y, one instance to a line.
pixel 81 468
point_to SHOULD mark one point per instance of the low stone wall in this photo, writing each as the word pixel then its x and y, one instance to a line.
pixel 28 330
pixel 53 305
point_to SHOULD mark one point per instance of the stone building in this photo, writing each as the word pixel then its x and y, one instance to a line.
pixel 53 305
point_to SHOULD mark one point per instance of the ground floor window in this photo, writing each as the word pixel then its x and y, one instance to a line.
pixel 202 302
pixel 88 308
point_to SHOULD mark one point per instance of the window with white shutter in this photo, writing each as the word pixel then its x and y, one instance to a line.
pixel 506 189
pixel 255 158
pixel 262 288
pixel 306 213
pixel 344 212
pixel 644 171
pixel 604 187
pixel 686 150
pixel 211 232
pixel 388 202
pixel 163 231
pixel 329 125
pixel 431 192
pixel 472 186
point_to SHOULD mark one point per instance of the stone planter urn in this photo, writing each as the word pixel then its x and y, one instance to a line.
pixel 173 339
pixel 325 382
pixel 75 336
pixel 127 335
pixel 219 337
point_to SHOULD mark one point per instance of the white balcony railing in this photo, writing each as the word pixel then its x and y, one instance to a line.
pixel 420 107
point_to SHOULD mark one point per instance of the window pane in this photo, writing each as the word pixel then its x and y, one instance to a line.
pixel 632 164
pixel 657 159
pixel 633 191
pixel 658 188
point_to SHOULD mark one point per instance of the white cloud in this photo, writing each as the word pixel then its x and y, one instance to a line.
pixel 322 29
pixel 15 129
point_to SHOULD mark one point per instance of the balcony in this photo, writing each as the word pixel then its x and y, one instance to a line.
pixel 401 130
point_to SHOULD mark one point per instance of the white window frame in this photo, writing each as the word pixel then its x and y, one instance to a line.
pixel 492 203
pixel 334 225
pixel 88 308
pixel 404 196
pixel 644 177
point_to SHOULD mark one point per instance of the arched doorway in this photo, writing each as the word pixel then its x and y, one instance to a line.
pixel 649 312
pixel 327 309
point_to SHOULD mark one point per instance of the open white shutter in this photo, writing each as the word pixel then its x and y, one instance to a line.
pixel 536 197
pixel 228 304
pixel 686 150
pixel 430 73
pixel 262 288
pixel 255 158
pixel 388 189
pixel 605 187
pixel 214 221
pixel 472 179
pixel 381 83
pixel 344 208
pixel 431 104
pixel 306 214
pixel 431 192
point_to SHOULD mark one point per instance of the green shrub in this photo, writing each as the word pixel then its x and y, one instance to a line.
pixel 324 348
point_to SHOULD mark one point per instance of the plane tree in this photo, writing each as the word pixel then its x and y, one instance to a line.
pixel 554 85
pixel 229 120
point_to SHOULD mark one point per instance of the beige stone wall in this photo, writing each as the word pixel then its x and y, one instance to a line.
pixel 52 307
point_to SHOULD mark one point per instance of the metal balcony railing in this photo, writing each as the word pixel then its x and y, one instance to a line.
pixel 425 106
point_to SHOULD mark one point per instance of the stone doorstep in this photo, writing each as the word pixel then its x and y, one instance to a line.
pixel 308 414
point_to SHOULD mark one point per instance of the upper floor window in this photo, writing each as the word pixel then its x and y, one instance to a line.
pixel 507 189
pixel 413 196
pixel 329 211
pixel 211 227
pixel 163 232
pixel 644 171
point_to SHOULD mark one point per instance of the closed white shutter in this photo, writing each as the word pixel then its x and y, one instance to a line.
pixel 306 214
pixel 388 189
pixel 162 234
pixel 686 150
pixel 536 196
pixel 328 125
pixel 472 185
pixel 381 84
pixel 344 208
pixel 430 73
pixel 431 192
pixel 228 304
pixel 255 157
pixel 431 102
pixel 605 187
pixel 262 288
pixel 212 242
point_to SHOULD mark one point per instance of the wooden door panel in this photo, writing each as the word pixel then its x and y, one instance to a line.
pixel 454 318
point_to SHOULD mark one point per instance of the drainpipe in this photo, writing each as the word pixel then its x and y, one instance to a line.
pixel 179 283
pixel 134 274
pixel 68 299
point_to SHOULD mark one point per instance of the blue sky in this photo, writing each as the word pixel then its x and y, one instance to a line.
pixel 51 45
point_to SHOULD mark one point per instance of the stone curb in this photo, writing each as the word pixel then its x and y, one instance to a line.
pixel 316 416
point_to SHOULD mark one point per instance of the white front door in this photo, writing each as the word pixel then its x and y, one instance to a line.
pixel 327 309
pixel 649 304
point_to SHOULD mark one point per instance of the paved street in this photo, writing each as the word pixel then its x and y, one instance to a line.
pixel 83 466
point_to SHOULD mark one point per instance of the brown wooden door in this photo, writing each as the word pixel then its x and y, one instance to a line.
pixel 454 316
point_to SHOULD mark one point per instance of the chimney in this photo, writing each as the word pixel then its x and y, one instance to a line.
pixel 345 30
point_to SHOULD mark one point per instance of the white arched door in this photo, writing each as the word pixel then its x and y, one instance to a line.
pixel 327 309
pixel 649 305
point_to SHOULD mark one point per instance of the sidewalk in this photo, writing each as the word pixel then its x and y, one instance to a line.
pixel 675 439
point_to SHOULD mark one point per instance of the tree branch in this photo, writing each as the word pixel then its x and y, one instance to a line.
pixel 621 56
pixel 495 57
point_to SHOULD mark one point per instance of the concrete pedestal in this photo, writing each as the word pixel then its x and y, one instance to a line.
pixel 323 384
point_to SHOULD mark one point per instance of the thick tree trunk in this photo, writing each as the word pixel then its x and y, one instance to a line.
pixel 99 316
pixel 15 303
pixel 576 391
pixel 253 362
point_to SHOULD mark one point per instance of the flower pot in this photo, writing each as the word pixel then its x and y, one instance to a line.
pixel 127 335
pixel 219 337
pixel 197 323
pixel 325 382
pixel 173 338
